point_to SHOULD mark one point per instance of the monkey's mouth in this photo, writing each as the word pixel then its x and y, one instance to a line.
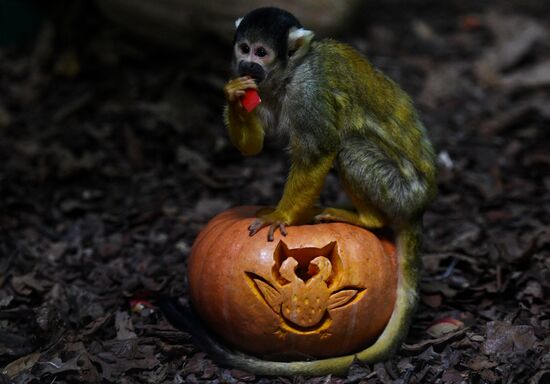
pixel 253 70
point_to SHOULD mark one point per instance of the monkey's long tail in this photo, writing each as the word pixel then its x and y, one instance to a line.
pixel 408 256
pixel 408 241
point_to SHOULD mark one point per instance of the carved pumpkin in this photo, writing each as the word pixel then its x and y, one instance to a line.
pixel 323 290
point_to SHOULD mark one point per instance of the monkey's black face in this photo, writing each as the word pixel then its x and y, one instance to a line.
pixel 254 70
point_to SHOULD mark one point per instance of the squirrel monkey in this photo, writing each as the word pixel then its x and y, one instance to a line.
pixel 336 110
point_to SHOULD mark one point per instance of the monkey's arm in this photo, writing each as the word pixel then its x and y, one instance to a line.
pixel 245 130
pixel 297 205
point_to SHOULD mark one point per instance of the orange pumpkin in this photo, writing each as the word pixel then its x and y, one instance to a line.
pixel 323 290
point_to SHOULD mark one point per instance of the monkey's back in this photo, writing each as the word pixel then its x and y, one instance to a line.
pixel 345 72
pixel 356 87
pixel 356 105
pixel 361 100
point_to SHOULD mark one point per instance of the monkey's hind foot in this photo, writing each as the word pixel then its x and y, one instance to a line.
pixel 351 217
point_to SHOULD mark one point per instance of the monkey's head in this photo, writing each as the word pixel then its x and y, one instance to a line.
pixel 266 40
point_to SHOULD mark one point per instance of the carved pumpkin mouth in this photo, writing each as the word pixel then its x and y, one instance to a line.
pixel 324 323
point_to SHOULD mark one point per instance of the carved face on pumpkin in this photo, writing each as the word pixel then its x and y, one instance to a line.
pixel 304 287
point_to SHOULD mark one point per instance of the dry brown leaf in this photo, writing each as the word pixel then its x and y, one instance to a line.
pixel 515 36
pixel 534 76
pixel 443 326
pixel 22 364
pixel 506 338
pixel 124 326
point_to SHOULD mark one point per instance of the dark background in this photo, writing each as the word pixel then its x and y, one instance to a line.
pixel 113 155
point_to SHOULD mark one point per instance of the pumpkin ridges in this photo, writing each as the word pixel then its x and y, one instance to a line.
pixel 216 228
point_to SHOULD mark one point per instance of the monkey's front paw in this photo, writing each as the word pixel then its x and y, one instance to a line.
pixel 235 88
pixel 268 217
pixel 260 223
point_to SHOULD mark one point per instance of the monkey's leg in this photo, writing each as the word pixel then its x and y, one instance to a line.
pixel 297 205
pixel 384 187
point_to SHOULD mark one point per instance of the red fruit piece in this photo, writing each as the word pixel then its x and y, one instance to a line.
pixel 251 99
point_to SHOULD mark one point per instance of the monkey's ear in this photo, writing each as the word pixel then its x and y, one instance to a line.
pixel 299 40
pixel 238 21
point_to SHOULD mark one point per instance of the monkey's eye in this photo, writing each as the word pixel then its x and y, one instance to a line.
pixel 244 48
pixel 261 52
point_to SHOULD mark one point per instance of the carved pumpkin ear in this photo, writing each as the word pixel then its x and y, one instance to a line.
pixel 299 40
pixel 238 21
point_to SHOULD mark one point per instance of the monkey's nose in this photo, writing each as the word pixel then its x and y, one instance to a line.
pixel 254 70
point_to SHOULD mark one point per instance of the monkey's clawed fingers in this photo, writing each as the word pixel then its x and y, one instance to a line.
pixel 260 223
pixel 235 88
pixel 256 226
pixel 273 227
